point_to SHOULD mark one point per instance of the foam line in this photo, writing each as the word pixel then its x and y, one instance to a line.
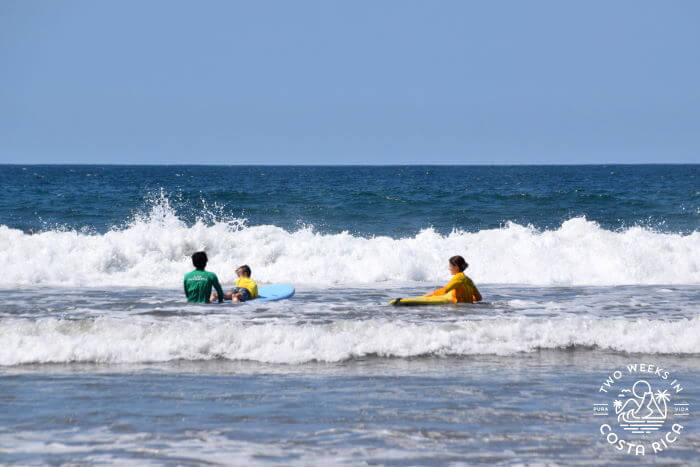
pixel 117 340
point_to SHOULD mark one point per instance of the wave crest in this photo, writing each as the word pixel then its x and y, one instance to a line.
pixel 109 340
pixel 154 250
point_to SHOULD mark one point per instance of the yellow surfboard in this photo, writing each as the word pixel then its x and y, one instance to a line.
pixel 422 301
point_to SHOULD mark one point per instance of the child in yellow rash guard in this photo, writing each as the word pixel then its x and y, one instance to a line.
pixel 244 284
pixel 460 286
pixel 245 289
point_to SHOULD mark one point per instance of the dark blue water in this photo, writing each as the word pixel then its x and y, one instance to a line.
pixel 395 201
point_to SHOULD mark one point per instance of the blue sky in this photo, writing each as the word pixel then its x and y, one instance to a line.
pixel 355 82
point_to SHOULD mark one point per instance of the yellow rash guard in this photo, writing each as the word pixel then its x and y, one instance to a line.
pixel 250 284
pixel 461 288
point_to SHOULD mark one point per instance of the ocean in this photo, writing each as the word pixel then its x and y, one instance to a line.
pixel 590 277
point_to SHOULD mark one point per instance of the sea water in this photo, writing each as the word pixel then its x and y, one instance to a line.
pixel 584 270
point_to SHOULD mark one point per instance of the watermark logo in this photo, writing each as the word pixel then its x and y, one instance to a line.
pixel 643 410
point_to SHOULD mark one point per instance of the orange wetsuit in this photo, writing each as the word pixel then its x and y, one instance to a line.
pixel 462 288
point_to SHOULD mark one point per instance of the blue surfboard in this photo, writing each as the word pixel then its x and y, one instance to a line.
pixel 274 292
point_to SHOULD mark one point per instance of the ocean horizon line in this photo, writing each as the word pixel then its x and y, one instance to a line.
pixel 111 164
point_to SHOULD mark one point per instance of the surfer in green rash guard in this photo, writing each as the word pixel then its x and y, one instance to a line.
pixel 199 282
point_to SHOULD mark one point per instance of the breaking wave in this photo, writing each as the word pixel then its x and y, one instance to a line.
pixel 154 250
pixel 112 340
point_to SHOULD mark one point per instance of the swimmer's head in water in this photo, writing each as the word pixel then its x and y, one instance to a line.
pixel 243 271
pixel 199 260
pixel 459 263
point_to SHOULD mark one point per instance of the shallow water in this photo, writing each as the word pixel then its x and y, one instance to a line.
pixel 134 325
pixel 332 376
pixel 529 408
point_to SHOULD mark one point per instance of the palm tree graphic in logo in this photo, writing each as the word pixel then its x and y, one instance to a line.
pixel 643 411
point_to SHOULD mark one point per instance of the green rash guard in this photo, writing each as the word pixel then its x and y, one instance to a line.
pixel 198 286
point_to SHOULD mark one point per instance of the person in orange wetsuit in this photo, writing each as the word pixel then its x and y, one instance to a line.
pixel 460 286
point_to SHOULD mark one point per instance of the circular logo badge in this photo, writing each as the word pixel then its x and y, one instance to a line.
pixel 642 410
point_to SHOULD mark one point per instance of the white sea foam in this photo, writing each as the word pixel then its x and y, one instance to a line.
pixel 154 250
pixel 112 340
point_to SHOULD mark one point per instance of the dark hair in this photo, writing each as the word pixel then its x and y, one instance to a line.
pixel 200 259
pixel 459 262
pixel 243 270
